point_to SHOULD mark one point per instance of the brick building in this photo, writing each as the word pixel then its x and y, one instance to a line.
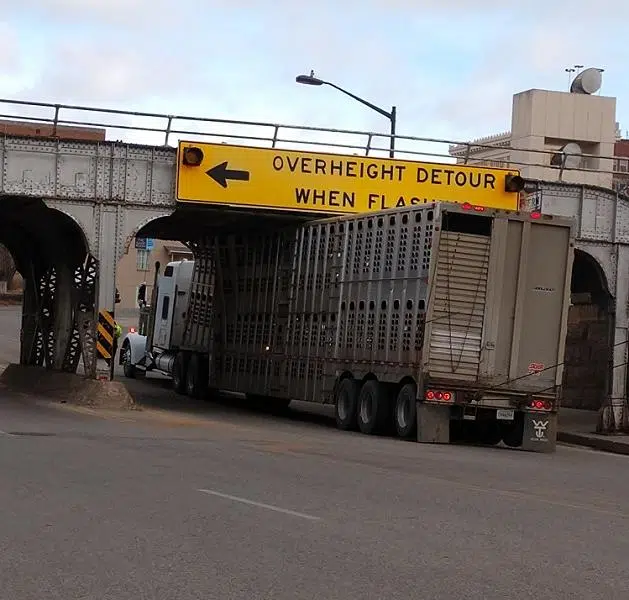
pixel 64 132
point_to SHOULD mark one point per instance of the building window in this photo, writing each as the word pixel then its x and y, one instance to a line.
pixel 142 260
pixel 621 165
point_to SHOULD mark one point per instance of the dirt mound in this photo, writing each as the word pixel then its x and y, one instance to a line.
pixel 65 387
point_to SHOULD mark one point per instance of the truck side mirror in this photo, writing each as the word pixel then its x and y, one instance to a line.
pixel 117 298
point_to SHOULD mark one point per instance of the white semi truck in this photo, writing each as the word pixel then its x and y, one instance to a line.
pixel 436 322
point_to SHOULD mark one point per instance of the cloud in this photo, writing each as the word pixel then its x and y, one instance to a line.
pixel 125 13
pixel 10 50
pixel 450 66
pixel 81 72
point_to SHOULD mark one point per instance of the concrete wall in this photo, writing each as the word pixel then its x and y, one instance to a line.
pixel 587 357
pixel 547 120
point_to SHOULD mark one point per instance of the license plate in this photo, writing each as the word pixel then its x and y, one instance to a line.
pixel 505 415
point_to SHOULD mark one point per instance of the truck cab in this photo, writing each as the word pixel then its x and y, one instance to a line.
pixel 173 289
pixel 155 346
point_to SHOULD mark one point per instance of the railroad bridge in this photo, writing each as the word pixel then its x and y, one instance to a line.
pixel 70 209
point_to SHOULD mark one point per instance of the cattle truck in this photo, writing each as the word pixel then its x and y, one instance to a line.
pixel 437 323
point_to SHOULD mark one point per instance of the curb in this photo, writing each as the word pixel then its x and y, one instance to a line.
pixel 599 443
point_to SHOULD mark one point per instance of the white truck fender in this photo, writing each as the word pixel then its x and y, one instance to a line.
pixel 136 343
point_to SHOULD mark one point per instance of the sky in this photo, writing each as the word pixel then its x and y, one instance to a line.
pixel 449 66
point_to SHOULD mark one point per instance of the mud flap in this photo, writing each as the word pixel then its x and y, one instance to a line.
pixel 433 423
pixel 540 432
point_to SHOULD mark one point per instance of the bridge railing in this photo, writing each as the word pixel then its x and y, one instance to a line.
pixel 159 129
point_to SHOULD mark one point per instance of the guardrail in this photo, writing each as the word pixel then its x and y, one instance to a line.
pixel 158 129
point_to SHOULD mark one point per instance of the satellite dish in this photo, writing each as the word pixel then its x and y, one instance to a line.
pixel 587 82
pixel 569 157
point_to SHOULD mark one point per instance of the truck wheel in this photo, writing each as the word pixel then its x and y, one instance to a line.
pixel 346 403
pixel 127 366
pixel 513 433
pixel 279 405
pixel 192 377
pixel 196 379
pixel 405 413
pixel 179 373
pixel 373 407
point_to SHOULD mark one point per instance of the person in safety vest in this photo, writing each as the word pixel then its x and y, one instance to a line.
pixel 117 334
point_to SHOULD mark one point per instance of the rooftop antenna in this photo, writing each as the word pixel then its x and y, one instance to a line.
pixel 571 70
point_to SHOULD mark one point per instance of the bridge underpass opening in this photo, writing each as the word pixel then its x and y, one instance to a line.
pixel 590 331
pixel 192 227
pixel 186 227
pixel 59 274
pixel 11 285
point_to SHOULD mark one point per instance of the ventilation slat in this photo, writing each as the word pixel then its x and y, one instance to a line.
pixel 459 305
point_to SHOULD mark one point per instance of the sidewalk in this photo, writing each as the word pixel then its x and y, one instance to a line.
pixel 579 427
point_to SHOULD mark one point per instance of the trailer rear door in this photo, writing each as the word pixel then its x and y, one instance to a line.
pixel 458 298
pixel 527 304
pixel 500 292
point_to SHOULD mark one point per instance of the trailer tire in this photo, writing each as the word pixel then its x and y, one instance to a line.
pixel 373 407
pixel 279 405
pixel 346 404
pixel 513 433
pixel 179 373
pixel 405 413
pixel 195 380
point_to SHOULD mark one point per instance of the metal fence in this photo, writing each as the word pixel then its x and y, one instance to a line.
pixel 157 129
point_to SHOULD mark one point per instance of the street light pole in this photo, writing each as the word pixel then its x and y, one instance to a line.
pixel 392 116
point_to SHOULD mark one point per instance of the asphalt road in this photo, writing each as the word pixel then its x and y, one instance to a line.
pixel 212 501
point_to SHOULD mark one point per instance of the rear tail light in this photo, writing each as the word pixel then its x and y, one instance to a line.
pixel 131 329
pixel 439 395
pixel 468 206
pixel 539 404
pixel 536 214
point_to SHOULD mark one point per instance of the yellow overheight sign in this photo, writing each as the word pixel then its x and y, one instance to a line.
pixel 318 182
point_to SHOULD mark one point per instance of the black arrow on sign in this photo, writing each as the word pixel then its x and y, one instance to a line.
pixel 221 174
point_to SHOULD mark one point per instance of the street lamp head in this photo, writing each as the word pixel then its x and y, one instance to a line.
pixel 309 80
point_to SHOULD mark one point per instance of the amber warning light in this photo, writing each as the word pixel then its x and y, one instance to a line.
pixel 192 156
pixel 514 183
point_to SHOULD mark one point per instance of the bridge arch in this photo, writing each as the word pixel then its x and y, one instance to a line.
pixel 52 253
pixel 589 340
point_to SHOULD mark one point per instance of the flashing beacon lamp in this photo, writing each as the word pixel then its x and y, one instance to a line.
pixel 192 156
pixel 514 183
